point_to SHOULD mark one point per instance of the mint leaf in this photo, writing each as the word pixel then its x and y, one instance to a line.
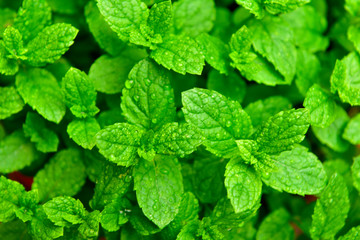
pixel 282 131
pixel 344 81
pixel 45 140
pixel 273 39
pixel 161 17
pixel 16 152
pixel 243 185
pixel 110 73
pixel 119 143
pixel 64 211
pixel 14 230
pixel 100 29
pixel 297 171
pixel 221 83
pixel 112 183
pixel 353 34
pixel 90 227
pixel 332 135
pixel 192 17
pixel 148 99
pixel 190 231
pixel 80 94
pixel 216 52
pixel 7 66
pixel 179 53
pixel 175 139
pixel 6 19
pixel 115 214
pixel 41 91
pixel 254 6
pixel 261 110
pixel 13 43
pixel 42 228
pixel 283 6
pixel 124 16
pixel 188 212
pixel 355 169
pixel 142 224
pixel 10 102
pixel 353 233
pixel 32 17
pixel 351 130
pixel 50 44
pixel 220 120
pixel 83 131
pixel 276 225
pixel 321 106
pixel 309 26
pixel 10 195
pixel 330 210
pixel 352 6
pixel 63 175
pixel 162 174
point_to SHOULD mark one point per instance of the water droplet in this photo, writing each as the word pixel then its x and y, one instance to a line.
pixel 129 84
pixel 154 120
pixel 164 171
pixel 153 96
pixel 218 135
pixel 155 207
pixel 137 98
pixel 228 123
pixel 147 82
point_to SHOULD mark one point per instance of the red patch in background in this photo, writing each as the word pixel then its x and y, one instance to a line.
pixel 26 181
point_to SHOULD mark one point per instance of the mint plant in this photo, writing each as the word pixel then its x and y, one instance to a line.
pixel 184 119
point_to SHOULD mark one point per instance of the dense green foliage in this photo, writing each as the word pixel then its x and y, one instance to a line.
pixel 184 119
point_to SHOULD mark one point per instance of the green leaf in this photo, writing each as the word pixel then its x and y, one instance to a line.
pixel 321 106
pixel 162 174
pixel 64 6
pixel 83 131
pixel 208 177
pixel 216 52
pixel 298 172
pixel 188 212
pixel 332 135
pixel 119 143
pixel 16 152
pixel 10 194
pixel 276 226
pixel 189 231
pixel 14 230
pixel 352 129
pixel 353 34
pixel 192 17
pixel 353 233
pixel 13 43
pixel 45 140
pixel 112 183
pixel 115 214
pixel 161 17
pixel 64 174
pixel 220 120
pixel 283 130
pixel 90 227
pixel 261 110
pixel 283 6
pixel 41 91
pixel 124 16
pixel 309 26
pixel 7 17
pixel 344 81
pixel 221 83
pixel 355 171
pixel 142 224
pixel 254 6
pixel 42 228
pixel 179 53
pixel 7 66
pixel 243 185
pixel 28 203
pixel 175 139
pixel 148 99
pixel 100 29
pixel 110 73
pixel 274 40
pixel 353 7
pixel 50 44
pixel 10 102
pixel 64 211
pixel 80 94
pixel 32 17
pixel 330 210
